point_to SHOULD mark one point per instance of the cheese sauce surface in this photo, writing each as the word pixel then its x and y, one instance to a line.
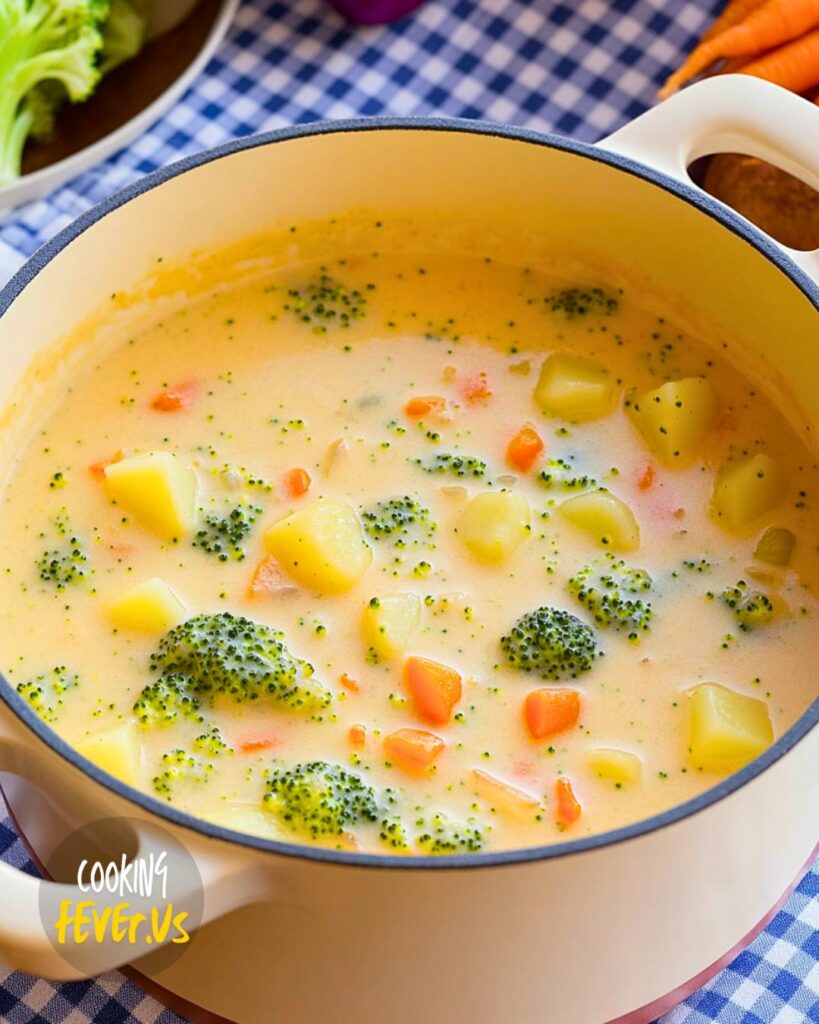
pixel 461 444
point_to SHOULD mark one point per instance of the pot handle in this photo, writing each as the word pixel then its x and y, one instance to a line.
pixel 728 114
pixel 28 932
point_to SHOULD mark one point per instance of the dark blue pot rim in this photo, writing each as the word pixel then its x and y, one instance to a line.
pixel 702 201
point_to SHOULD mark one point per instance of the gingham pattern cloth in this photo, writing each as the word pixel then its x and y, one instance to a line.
pixel 580 69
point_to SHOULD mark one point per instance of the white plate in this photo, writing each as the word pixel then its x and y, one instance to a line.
pixel 39 183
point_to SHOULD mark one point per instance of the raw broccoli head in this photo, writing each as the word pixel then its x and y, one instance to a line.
pixel 226 654
pixel 123 34
pixel 445 835
pixel 614 593
pixel 551 643
pixel 751 608
pixel 319 799
pixel 398 520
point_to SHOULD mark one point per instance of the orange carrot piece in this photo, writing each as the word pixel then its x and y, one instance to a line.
pixel 476 388
pixel 414 749
pixel 357 735
pixel 794 67
pixel 524 448
pixel 549 711
pixel 296 482
pixel 434 688
pixel 647 477
pixel 772 25
pixel 733 13
pixel 97 469
pixel 568 809
pixel 268 579
pixel 176 399
pixel 254 744
pixel 423 405
pixel 349 684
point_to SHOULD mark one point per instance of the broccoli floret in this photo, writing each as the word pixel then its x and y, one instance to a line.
pixel 225 654
pixel 178 766
pixel 398 519
pixel 319 799
pixel 446 835
pixel 222 535
pixel 393 834
pixel 454 465
pixel 752 608
pixel 64 566
pixel 611 592
pixel 700 565
pixel 122 35
pixel 48 52
pixel 577 302
pixel 552 643
pixel 212 744
pixel 326 302
pixel 45 693
pixel 561 474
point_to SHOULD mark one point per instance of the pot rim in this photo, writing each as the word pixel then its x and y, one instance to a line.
pixel 694 197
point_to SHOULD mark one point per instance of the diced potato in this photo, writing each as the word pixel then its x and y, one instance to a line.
pixel 389 622
pixel 158 489
pixel 575 389
pixel 509 800
pixel 616 765
pixel 321 546
pixel 728 729
pixel 149 607
pixel 117 751
pixel 775 547
pixel 676 417
pixel 744 491
pixel 247 818
pixel 609 520
pixel 493 524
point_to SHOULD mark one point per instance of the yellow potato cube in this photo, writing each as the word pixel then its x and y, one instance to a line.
pixel 509 800
pixel 575 389
pixel 744 491
pixel 149 607
pixel 117 751
pixel 158 489
pixel 727 729
pixel 675 418
pixel 609 520
pixel 389 622
pixel 493 524
pixel 247 818
pixel 321 546
pixel 619 766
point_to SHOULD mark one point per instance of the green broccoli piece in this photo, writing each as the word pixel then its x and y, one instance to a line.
pixel 326 302
pixel 449 836
pixel 552 643
pixel 454 465
pixel 64 566
pixel 225 654
pixel 123 34
pixel 700 565
pixel 398 519
pixel 611 592
pixel 45 693
pixel 48 53
pixel 561 474
pixel 179 766
pixel 222 535
pixel 393 834
pixel 577 302
pixel 319 799
pixel 752 608
pixel 212 744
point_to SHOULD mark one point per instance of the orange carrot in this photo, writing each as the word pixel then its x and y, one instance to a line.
pixel 97 469
pixel 255 743
pixel 476 388
pixel 350 684
pixel 414 749
pixel 434 688
pixel 424 405
pixel 296 482
pixel 357 735
pixel 176 399
pixel 794 67
pixel 568 809
pixel 524 448
pixel 549 711
pixel 268 579
pixel 773 24
pixel 734 12
pixel 647 478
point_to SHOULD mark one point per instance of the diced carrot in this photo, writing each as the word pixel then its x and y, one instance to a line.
pixel 268 579
pixel 524 448
pixel 568 809
pixel 296 482
pixel 423 405
pixel 549 711
pixel 647 477
pixel 255 743
pixel 414 749
pixel 97 469
pixel 435 688
pixel 349 684
pixel 476 388
pixel 176 399
pixel 357 735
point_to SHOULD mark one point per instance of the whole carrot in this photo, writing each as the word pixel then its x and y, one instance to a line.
pixel 774 23
pixel 733 13
pixel 794 67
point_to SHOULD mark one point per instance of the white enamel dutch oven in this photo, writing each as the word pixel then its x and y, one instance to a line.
pixel 618 926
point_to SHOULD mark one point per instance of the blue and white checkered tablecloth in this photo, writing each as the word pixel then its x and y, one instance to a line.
pixel 580 69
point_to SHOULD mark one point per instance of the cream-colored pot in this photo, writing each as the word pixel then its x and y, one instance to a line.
pixel 583 932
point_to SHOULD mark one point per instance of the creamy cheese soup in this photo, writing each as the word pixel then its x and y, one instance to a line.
pixel 412 553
